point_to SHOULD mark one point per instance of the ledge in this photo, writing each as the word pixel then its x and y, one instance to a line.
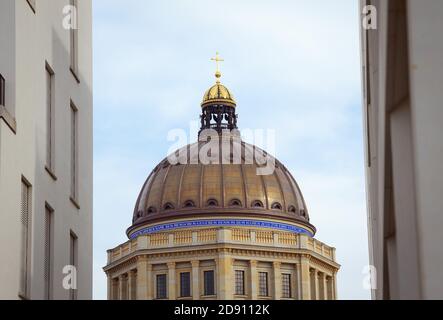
pixel 51 174
pixel 75 203
pixel 74 73
pixel 8 119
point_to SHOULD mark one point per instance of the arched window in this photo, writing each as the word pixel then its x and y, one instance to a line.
pixel 276 206
pixel 212 203
pixel 152 210
pixel 257 204
pixel 292 209
pixel 189 204
pixel 235 203
pixel 303 213
pixel 168 206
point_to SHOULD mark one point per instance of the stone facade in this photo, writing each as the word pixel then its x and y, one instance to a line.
pixel 221 229
pixel 133 267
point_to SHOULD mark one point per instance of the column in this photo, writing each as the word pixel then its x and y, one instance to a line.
pixel 171 281
pixel 122 287
pixel 305 281
pixel 131 285
pixel 316 285
pixel 150 288
pixel 277 280
pixel 329 288
pixel 225 284
pixel 143 281
pixel 321 286
pixel 254 279
pixel 325 287
pixel 334 286
pixel 297 289
pixel 109 279
pixel 195 279
pixel 115 289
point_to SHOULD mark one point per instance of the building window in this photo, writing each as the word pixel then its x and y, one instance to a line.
pixel 208 279
pixel 240 282
pixel 263 284
pixel 25 238
pixel 185 284
pixel 286 286
pixel 2 91
pixel 74 153
pixel 74 37
pixel 257 204
pixel 49 212
pixel 50 119
pixel 73 261
pixel 161 286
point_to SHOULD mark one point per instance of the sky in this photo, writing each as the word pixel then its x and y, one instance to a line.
pixel 293 66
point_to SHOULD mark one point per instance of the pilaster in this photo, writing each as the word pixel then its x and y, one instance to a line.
pixel 254 279
pixel 305 282
pixel 195 279
pixel 277 280
pixel 225 275
pixel 142 278
pixel 171 281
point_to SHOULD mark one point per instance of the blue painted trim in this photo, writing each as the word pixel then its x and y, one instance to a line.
pixel 220 223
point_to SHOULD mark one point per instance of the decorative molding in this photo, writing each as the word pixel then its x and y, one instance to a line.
pixel 220 223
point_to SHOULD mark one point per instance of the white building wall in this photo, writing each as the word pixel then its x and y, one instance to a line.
pixel 33 40
pixel 425 22
pixel 404 147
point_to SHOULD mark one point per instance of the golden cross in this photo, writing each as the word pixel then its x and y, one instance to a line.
pixel 217 59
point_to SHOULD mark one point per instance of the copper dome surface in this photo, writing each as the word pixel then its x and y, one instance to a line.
pixel 225 189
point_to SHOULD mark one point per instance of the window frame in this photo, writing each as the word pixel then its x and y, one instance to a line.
pixel 50 120
pixel 263 284
pixel 33 5
pixel 164 290
pixel 206 287
pixel 286 285
pixel 26 240
pixel 49 244
pixel 185 284
pixel 74 141
pixel 240 288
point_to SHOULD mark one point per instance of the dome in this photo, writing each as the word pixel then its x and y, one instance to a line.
pixel 218 94
pixel 229 188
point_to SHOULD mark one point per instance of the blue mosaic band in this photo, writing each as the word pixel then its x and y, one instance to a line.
pixel 221 223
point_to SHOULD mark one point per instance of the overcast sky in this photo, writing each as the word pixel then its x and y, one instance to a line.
pixel 293 66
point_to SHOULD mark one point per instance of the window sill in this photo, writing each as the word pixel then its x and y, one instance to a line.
pixel 74 73
pixel 51 173
pixel 75 203
pixel 32 5
pixel 8 119
pixel 23 297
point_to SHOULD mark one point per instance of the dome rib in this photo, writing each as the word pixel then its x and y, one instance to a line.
pixel 198 183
